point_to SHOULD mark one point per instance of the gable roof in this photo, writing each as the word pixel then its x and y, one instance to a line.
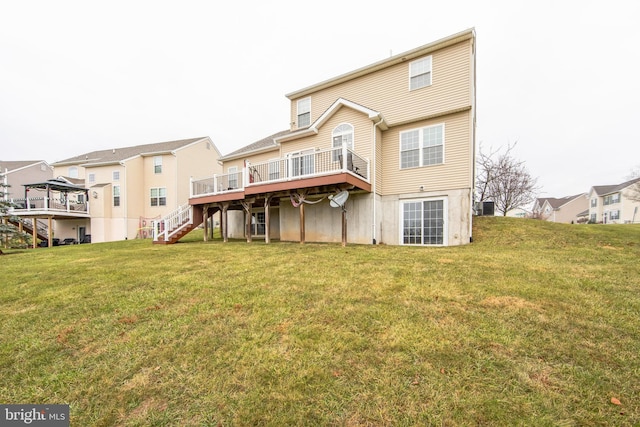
pixel 116 155
pixel 12 166
pixel 338 103
pixel 396 59
pixel 602 190
pixel 557 203
pixel 265 144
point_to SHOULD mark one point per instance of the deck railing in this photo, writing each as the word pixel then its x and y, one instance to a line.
pixel 305 164
pixel 48 204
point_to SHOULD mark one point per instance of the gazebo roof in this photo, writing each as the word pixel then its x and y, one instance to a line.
pixel 56 185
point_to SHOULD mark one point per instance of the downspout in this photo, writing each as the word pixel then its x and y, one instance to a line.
pixel 124 197
pixel 374 174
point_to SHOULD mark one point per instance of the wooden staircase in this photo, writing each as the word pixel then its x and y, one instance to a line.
pixel 27 227
pixel 177 224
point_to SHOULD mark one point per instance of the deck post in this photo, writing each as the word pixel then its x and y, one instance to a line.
pixel 344 226
pixel 224 221
pixel 34 231
pixel 205 213
pixel 247 223
pixel 267 218
pixel 50 230
pixel 302 230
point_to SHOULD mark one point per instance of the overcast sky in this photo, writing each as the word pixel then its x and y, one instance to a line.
pixel 560 78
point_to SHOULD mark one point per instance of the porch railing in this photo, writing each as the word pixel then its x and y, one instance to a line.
pixel 52 204
pixel 305 164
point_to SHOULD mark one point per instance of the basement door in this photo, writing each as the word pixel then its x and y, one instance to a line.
pixel 424 222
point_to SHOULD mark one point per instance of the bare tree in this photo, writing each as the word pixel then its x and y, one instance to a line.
pixel 504 180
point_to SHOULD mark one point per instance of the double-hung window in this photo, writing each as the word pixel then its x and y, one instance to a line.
pixel 159 196
pixel 116 195
pixel 233 177
pixel 157 164
pixel 424 222
pixel 422 147
pixel 116 175
pixel 420 73
pixel 304 112
pixel 342 135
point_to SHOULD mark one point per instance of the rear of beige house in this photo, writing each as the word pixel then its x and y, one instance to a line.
pixel 129 187
pixel 407 121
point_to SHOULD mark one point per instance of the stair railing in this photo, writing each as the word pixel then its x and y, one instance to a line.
pixel 171 224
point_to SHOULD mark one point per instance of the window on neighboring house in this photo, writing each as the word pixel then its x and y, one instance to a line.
pixel 157 164
pixel 342 135
pixel 611 199
pixel 594 202
pixel 614 215
pixel 159 196
pixel 422 147
pixel 423 222
pixel 592 218
pixel 80 198
pixel 92 177
pixel 304 112
pixel 274 169
pixel 116 195
pixel 73 172
pixel 116 175
pixel 420 73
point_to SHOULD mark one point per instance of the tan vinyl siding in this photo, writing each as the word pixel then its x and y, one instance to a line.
pixel 387 90
pixel 453 173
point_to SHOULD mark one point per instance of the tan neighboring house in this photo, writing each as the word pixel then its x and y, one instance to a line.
pixel 122 190
pixel 615 204
pixel 393 143
pixel 16 175
pixel 566 209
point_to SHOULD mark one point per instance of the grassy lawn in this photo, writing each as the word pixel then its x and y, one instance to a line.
pixel 533 324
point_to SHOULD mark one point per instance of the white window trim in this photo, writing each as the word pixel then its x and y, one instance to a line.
pixel 334 134
pixel 430 58
pixel 113 175
pixel 114 195
pixel 445 227
pixel 166 202
pixel 421 147
pixel 298 112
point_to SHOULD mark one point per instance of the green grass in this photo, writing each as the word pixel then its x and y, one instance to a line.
pixel 533 324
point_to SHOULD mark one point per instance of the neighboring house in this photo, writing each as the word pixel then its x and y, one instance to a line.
pixel 395 138
pixel 15 175
pixel 614 204
pixel 115 194
pixel 566 209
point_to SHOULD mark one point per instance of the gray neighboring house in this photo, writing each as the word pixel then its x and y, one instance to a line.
pixel 19 173
pixel 615 204
pixel 566 209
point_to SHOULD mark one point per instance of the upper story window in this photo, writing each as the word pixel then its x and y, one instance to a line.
pixel 73 172
pixel 92 177
pixel 304 112
pixel 422 147
pixel 116 175
pixel 342 135
pixel 157 164
pixel 611 199
pixel 420 73
pixel 116 195
pixel 594 202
